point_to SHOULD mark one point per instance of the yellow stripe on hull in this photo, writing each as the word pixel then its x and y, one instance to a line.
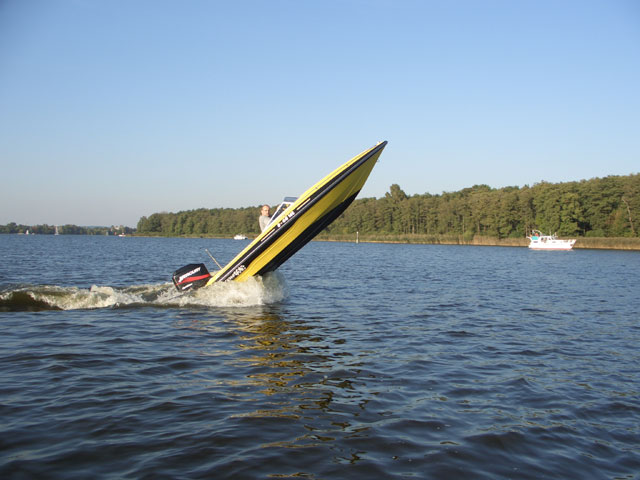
pixel 301 221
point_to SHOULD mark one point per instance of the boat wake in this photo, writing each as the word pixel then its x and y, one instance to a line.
pixel 255 291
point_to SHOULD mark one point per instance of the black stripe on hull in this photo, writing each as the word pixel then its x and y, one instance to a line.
pixel 306 236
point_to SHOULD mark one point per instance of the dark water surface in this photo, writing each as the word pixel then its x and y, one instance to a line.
pixel 352 362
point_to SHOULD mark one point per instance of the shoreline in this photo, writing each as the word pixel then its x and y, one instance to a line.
pixel 582 243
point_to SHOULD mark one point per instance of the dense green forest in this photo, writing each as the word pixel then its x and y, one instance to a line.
pixel 64 229
pixel 600 207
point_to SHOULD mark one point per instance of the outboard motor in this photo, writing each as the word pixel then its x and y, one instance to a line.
pixel 190 277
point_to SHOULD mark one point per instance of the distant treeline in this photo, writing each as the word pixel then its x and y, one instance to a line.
pixel 64 229
pixel 600 207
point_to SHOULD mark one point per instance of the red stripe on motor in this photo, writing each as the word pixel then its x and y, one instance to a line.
pixel 194 279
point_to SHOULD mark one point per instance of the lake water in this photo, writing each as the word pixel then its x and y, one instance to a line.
pixel 351 362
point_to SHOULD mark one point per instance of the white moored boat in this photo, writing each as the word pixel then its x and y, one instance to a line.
pixel 538 241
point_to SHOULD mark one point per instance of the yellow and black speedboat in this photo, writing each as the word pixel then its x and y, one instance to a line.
pixel 293 225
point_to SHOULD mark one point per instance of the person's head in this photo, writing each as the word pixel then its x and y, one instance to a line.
pixel 265 210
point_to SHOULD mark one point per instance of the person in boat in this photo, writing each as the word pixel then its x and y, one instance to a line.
pixel 265 218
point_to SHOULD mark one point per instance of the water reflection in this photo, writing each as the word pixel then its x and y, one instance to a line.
pixel 295 371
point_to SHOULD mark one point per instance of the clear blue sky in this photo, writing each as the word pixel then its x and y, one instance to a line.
pixel 111 110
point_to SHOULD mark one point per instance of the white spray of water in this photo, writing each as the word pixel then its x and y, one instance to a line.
pixel 255 291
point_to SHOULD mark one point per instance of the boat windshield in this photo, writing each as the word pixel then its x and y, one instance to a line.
pixel 282 207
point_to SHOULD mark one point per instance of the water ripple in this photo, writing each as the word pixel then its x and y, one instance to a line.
pixel 447 372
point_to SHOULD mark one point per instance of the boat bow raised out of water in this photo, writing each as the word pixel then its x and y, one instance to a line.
pixel 296 222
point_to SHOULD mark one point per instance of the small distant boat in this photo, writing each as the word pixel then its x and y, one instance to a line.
pixel 240 237
pixel 538 241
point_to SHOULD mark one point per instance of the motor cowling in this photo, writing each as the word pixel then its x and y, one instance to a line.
pixel 191 277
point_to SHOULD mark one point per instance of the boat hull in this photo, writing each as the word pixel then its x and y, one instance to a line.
pixel 303 220
pixel 551 247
